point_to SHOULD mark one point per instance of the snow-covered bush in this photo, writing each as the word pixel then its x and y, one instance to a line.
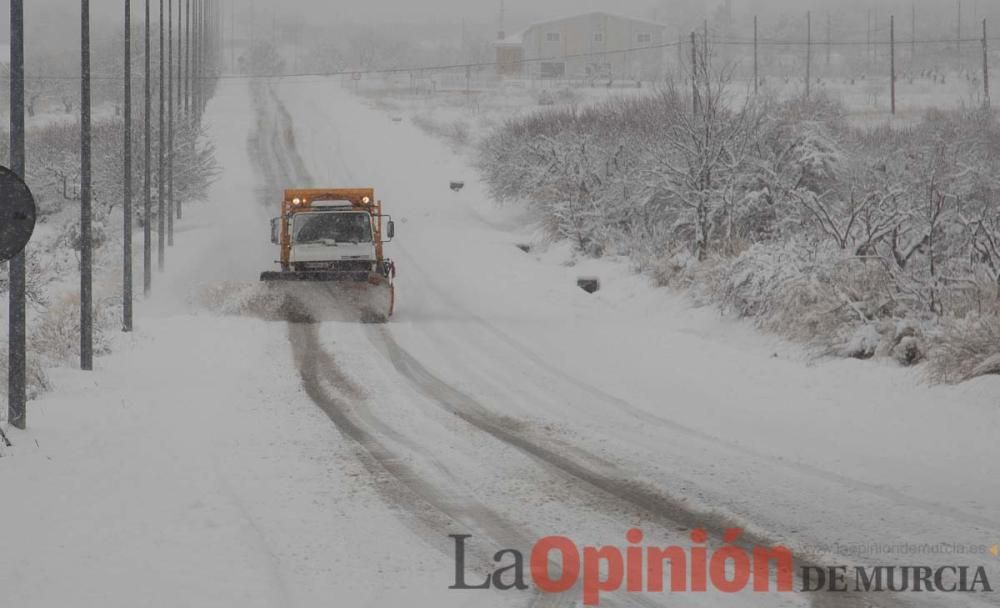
pixel 966 348
pixel 37 379
pixel 56 336
pixel 854 240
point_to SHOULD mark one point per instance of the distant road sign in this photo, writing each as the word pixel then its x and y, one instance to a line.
pixel 17 214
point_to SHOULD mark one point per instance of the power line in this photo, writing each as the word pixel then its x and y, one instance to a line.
pixel 396 70
pixel 763 42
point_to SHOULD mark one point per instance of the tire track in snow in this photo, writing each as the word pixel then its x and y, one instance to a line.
pixel 605 479
pixel 430 513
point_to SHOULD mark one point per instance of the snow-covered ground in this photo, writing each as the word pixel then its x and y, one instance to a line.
pixel 221 460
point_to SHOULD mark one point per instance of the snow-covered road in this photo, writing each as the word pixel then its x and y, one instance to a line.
pixel 219 461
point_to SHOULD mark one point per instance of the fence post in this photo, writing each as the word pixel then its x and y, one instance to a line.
pixel 808 52
pixel 868 48
pixel 694 73
pixel 892 60
pixel 986 68
pixel 756 73
pixel 958 39
pixel 680 60
pixel 829 38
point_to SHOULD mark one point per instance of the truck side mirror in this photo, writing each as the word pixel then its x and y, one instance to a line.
pixel 390 229
pixel 276 230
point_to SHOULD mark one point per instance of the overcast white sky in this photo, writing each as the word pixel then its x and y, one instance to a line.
pixel 58 19
pixel 440 11
pixel 374 10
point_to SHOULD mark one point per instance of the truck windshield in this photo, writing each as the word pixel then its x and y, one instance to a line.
pixel 338 227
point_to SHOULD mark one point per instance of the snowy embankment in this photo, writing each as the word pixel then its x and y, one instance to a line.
pixel 826 456
pixel 190 468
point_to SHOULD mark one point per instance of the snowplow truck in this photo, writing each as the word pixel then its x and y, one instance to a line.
pixel 333 239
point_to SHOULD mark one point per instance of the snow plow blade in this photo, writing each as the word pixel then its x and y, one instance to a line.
pixel 316 275
pixel 314 296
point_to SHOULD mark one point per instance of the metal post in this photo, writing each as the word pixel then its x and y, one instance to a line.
pixel 161 174
pixel 756 73
pixel 17 397
pixel 203 58
pixel 180 56
pixel 187 62
pixel 127 194
pixel 913 32
pixel 808 52
pixel 170 123
pixel 986 68
pixel 232 36
pixel 86 237
pixel 147 204
pixel 196 63
pixel 892 60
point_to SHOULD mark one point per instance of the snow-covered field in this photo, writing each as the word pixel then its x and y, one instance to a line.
pixel 221 460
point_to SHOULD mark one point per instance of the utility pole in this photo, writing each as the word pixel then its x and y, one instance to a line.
pixel 808 52
pixel 232 36
pixel 913 32
pixel 986 68
pixel 892 61
pixel 196 63
pixel 756 74
pixel 170 123
pixel 161 173
pixel 17 398
pixel 182 64
pixel 127 194
pixel 180 81
pixel 86 236
pixel 147 224
pixel 187 64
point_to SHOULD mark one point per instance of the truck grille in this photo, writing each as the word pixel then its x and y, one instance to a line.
pixel 341 265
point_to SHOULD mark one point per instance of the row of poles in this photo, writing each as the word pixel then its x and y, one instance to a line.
pixel 197 45
pixel 809 44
